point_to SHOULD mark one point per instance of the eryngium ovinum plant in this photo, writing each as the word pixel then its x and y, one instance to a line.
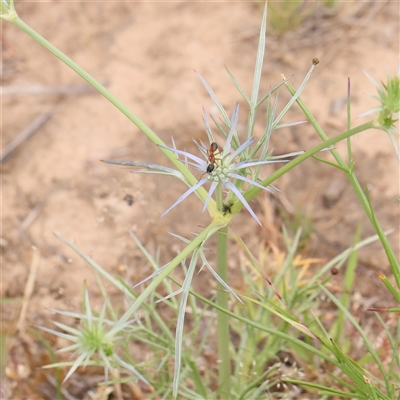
pixel 226 179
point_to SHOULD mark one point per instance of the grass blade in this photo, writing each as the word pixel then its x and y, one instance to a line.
pixel 180 321
pixel 242 92
pixel 257 73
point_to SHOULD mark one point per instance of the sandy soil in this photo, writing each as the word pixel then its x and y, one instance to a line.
pixel 145 53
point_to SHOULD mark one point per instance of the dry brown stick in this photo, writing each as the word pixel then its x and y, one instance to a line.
pixel 30 283
pixel 25 134
pixel 31 217
pixel 117 387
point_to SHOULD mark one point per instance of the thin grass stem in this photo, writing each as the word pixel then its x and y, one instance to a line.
pixel 224 369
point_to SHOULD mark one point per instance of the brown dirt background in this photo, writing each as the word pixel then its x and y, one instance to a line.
pixel 145 53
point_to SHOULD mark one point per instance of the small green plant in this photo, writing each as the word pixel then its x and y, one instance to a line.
pixel 285 16
pixel 288 15
pixel 272 316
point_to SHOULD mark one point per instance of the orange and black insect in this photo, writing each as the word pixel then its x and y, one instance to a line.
pixel 211 157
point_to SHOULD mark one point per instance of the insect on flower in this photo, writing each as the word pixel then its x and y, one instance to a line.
pixel 211 157
pixel 211 152
pixel 229 170
pixel 227 208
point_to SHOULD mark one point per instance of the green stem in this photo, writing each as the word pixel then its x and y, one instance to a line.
pixel 394 264
pixel 224 372
pixel 202 193
pixel 196 242
pixel 254 190
pixel 223 339
pixel 219 197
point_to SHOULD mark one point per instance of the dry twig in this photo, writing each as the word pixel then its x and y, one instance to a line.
pixel 28 290
pixel 25 134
